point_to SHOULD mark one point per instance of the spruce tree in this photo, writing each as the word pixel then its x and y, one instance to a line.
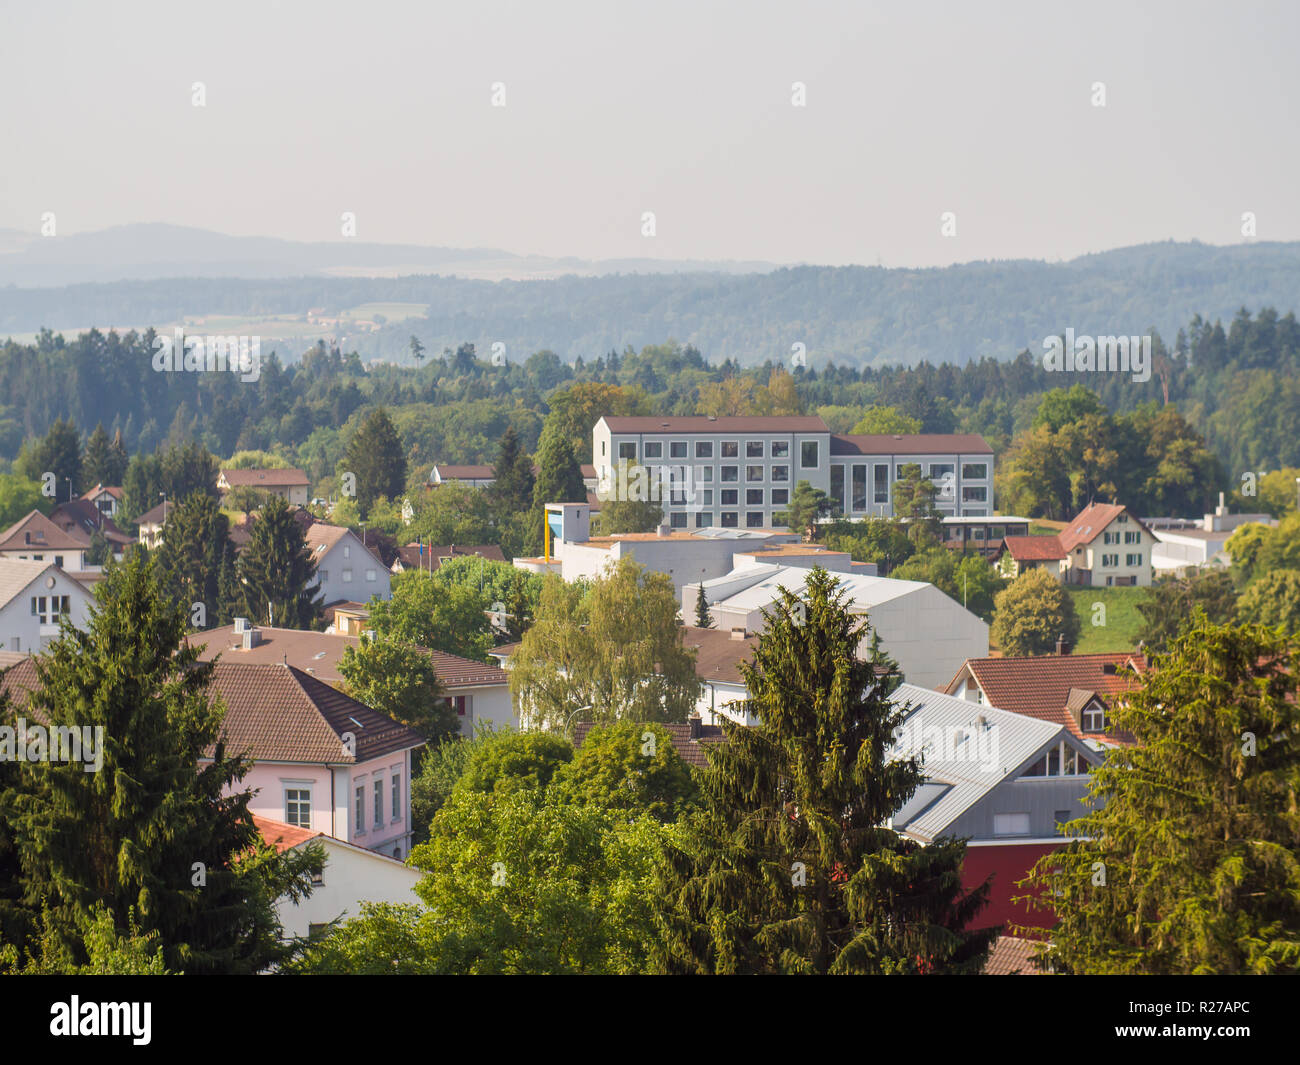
pixel 277 574
pixel 788 868
pixel 118 461
pixel 195 558
pixel 703 619
pixel 1192 865
pixel 59 453
pixel 127 835
pixel 512 489
pixel 376 458
pixel 97 460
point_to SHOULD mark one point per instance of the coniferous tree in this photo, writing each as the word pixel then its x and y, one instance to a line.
pixel 118 461
pixel 559 480
pixel 376 457
pixel 57 452
pixel 127 835
pixel 196 557
pixel 788 868
pixel 1191 863
pixel 512 489
pixel 703 619
pixel 277 575
pixel 97 460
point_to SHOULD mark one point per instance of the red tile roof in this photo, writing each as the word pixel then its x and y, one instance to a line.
pixel 36 532
pixel 1034 548
pixel 909 444
pixel 282 836
pixel 1046 686
pixel 1090 523
pixel 82 517
pixel 691 751
pixel 433 554
pixel 1010 956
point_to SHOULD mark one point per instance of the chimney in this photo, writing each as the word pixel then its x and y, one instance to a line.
pixel 241 625
pixel 697 724
pixel 1061 648
pixel 252 637
pixel 738 633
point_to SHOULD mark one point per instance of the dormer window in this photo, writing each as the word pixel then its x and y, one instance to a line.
pixel 1093 718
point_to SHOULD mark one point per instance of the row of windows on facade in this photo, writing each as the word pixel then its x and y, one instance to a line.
pixel 1017 824
pixel 48 608
pixel 809 450
pixel 1114 537
pixel 939 474
pixel 1129 560
pixel 297 803
pixel 324 574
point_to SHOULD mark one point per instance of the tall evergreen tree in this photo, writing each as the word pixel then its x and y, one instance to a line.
pixel 559 477
pixel 196 557
pixel 788 867
pixel 512 490
pixel 96 462
pixel 1192 865
pixel 57 452
pixel 127 836
pixel 703 619
pixel 277 575
pixel 376 457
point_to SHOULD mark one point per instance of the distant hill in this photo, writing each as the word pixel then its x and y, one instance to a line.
pixel 851 315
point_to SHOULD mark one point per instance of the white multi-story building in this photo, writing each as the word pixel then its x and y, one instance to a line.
pixel 738 473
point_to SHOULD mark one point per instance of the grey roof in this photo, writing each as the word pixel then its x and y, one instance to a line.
pixel 17 574
pixel 958 778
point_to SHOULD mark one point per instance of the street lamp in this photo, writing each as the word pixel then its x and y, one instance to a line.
pixel 570 717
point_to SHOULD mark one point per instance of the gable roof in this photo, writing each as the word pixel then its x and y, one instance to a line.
pixel 1012 956
pixel 265 478
pixel 81 516
pixel 720 426
pixel 101 489
pixel 1092 521
pixel 322 539
pixel 463 473
pixel 318 655
pixel 691 751
pixel 1034 548
pixel 909 444
pixel 717 655
pixel 410 556
pixel 155 515
pixel 283 836
pixel 280 714
pixel 35 531
pixel 17 575
pixel 1042 686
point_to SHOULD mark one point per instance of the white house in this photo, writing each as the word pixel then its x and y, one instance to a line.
pixel 925 631
pixel 33 596
pixel 290 485
pixel 346 569
pixel 352 875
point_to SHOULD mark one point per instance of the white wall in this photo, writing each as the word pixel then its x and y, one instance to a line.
pixel 22 631
pixel 344 573
pixel 350 878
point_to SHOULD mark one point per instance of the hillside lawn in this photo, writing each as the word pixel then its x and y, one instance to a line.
pixel 1123 622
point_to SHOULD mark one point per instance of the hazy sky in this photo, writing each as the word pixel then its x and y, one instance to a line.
pixel 614 108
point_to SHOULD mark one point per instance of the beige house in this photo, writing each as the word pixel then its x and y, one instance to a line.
pixel 290 485
pixel 1104 547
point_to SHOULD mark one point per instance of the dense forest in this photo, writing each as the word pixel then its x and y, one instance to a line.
pixel 854 315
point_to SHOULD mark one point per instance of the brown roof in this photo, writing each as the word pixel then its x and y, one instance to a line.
pixel 100 489
pixel 280 714
pixel 433 554
pixel 1041 686
pixel 37 532
pixel 909 444
pixel 282 836
pixel 82 516
pixel 154 515
pixel 319 654
pixel 464 473
pixel 1091 521
pixel 703 424
pixel 717 655
pixel 320 535
pixel 1010 956
pixel 1034 548
pixel 286 478
pixel 690 751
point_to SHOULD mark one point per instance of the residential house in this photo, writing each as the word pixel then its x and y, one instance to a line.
pixel 1104 546
pixel 106 499
pixel 1019 554
pixel 429 557
pixel 718 655
pixel 690 740
pixel 479 692
pixel 1003 780
pixel 34 595
pixel 1012 956
pixel 981 535
pixel 289 484
pixel 352 875
pixel 83 519
pixel 473 476
pixel 150 524
pixel 36 538
pixel 1077 692
pixel 346 569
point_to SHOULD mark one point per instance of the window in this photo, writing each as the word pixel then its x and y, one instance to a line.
pixel 1122 519
pixel 1061 816
pixel 654 449
pixel 677 520
pixel 627 449
pixel 753 497
pixel 974 494
pixel 1132 537
pixel 297 807
pixel 677 449
pixel 780 495
pixel 1011 824
pixel 881 478
pixel 754 519
pixel 809 454
pixel 347 550
pixel 753 449
pixel 1133 560
pixel 370 575
pixel 781 473
pixel 1110 560
pixel 379 803
pixel 1106 538
pixel 457 703
pixel 730 474
pixel 837 485
pixel 708 497
pixel 703 520
pixel 730 449
pixel 324 575
pixel 729 519
pixel 753 473
pixel 940 470
pixel 859 487
pixel 780 449
pixel 396 798
pixel 704 449
pixel 347 576
pixel 974 471
pixel 360 817
pixel 730 497
pixel 58 561
pixel 704 474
